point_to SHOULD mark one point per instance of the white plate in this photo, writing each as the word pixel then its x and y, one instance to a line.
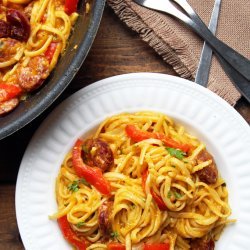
pixel 204 114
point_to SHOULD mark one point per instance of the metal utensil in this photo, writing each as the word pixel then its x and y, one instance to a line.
pixel 240 82
pixel 236 60
pixel 202 73
pixel 194 21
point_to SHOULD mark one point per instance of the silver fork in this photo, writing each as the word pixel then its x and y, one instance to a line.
pixel 235 65
pixel 236 60
pixel 202 73
pixel 240 82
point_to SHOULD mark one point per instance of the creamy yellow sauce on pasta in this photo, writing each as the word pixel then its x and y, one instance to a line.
pixel 194 209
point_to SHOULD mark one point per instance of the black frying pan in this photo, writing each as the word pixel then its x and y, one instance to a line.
pixel 83 35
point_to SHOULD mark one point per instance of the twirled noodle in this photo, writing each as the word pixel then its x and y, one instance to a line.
pixel 193 208
pixel 5 2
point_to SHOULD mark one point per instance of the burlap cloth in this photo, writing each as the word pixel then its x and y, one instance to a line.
pixel 181 47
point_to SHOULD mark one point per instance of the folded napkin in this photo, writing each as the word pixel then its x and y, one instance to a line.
pixel 181 47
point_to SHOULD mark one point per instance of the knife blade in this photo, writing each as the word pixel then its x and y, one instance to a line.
pixel 193 21
pixel 239 81
pixel 232 57
pixel 203 70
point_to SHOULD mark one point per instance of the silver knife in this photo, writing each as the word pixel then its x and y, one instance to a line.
pixel 194 22
pixel 203 70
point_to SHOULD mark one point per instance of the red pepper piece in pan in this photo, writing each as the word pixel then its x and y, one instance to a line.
pixel 9 91
pixel 49 53
pixel 70 6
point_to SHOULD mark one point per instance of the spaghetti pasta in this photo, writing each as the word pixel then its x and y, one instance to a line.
pixel 33 34
pixel 161 196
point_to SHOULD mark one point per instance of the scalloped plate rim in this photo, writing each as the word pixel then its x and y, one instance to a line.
pixel 103 87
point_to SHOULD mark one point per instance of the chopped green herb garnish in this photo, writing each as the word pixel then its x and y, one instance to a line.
pixel 176 153
pixel 169 194
pixel 74 186
pixel 80 224
pixel 224 184
pixel 177 195
pixel 114 235
pixel 83 181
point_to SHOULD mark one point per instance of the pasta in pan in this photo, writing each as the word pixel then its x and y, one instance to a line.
pixel 33 34
pixel 141 182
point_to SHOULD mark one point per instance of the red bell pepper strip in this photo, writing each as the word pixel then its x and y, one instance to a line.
pixel 144 177
pixel 172 143
pixel 70 6
pixel 43 19
pixel 139 135
pixel 116 246
pixel 157 246
pixel 49 53
pixel 92 175
pixel 69 234
pixel 9 91
pixel 159 201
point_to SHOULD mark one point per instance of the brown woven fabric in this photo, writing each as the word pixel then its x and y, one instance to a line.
pixel 180 47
